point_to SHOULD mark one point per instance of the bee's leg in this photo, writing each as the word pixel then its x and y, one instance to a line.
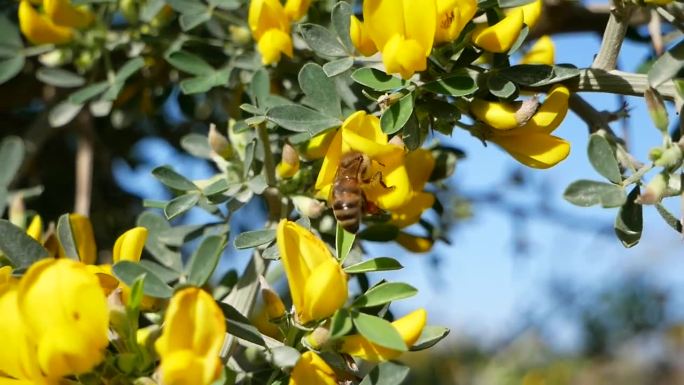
pixel 372 209
pixel 376 180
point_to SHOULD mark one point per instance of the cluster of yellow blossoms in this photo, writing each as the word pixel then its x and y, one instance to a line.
pixel 270 23
pixel 55 24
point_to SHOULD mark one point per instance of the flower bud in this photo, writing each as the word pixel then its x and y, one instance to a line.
pixel 219 143
pixel 655 190
pixel 311 369
pixel 35 229
pixel 239 35
pixel 656 109
pixel 501 36
pixel 413 243
pixel 289 165
pixel 318 338
pixel 671 157
pixel 308 207
pixel 274 305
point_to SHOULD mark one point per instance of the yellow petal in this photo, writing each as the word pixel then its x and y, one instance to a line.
pixel 329 166
pixel 410 213
pixel 63 13
pixel 409 328
pixel 302 253
pixel 419 166
pixel 360 37
pixel 420 21
pixel 191 340
pixel 317 147
pixel 499 115
pixel 289 164
pixel 35 229
pixel 39 29
pixel 108 281
pixel 403 56
pixel 548 116
pixel 272 44
pixel 312 370
pixel 499 37
pixel 5 275
pixel 542 52
pixel 532 11
pixel 383 20
pixel 296 9
pixel 536 150
pixel 129 246
pixel 265 15
pixel 64 307
pixel 453 15
pixel 325 291
pixel 82 230
pixel 400 191
pixel 413 243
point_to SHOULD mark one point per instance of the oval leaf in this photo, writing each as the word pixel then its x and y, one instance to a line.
pixel 180 205
pixel 321 40
pixel 11 156
pixel 378 331
pixel 170 178
pixel 377 80
pixel 319 90
pixel 255 238
pixel 629 222
pixel 18 247
pixel 387 373
pixel 377 264
pixel 587 193
pixel 385 293
pixel 602 158
pixel 59 77
pixel 395 117
pixel 301 119
pixel 204 260
pixel 128 272
pixel 458 85
pixel 430 336
pixel 667 66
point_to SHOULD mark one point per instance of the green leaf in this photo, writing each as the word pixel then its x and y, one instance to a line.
pixel 3 200
pixel 344 241
pixel 167 275
pixel 67 238
pixel 538 75
pixel 284 357
pixel 377 80
pixel 395 117
pixel 239 326
pixel 204 260
pixel 385 293
pixel 341 21
pixel 189 21
pixel 377 264
pixel 629 222
pixel 196 145
pixel 501 87
pixel 178 235
pixel 11 157
pixel 336 67
pixel 587 193
pixel 18 247
pixel 63 113
pixel 602 158
pixel 170 178
pixel 155 226
pixel 260 87
pixel 181 204
pixel 88 92
pixel 379 233
pixel 340 324
pixel 150 9
pixel 387 373
pixel 667 66
pixel 670 219
pixel 513 3
pixel 190 63
pixel 378 331
pixel 413 134
pixel 59 77
pixel 430 336
pixel 321 40
pixel 255 238
pixel 11 39
pixel 205 82
pixel 128 69
pixel 128 272
pixel 454 85
pixel 319 90
pixel 10 67
pixel 301 119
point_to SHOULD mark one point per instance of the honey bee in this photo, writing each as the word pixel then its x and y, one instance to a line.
pixel 348 199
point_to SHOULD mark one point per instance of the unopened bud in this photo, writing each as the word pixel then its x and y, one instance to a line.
pixel 289 165
pixel 318 338
pixel 307 206
pixel 274 305
pixel 414 243
pixel 655 154
pixel 655 190
pixel 239 35
pixel 397 141
pixel 17 211
pixel 118 319
pixel 146 336
pixel 671 157
pixel 219 143
pixel 657 110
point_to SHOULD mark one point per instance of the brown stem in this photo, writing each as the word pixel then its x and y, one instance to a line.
pixel 84 165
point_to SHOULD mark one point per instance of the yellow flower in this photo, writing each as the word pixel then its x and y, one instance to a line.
pixel 532 144
pixel 270 26
pixel 409 328
pixel 317 283
pixel 361 132
pixel 192 336
pixel 542 52
pixel 296 9
pixel 359 36
pixel 318 145
pixel 65 313
pixel 414 243
pixel 289 164
pixel 531 12
pixel 419 165
pixel 312 370
pixel 499 37
pixel 56 25
pixel 39 29
pixel 35 228
pixel 452 17
pixel 403 30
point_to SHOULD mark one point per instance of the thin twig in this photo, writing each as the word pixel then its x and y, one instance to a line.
pixel 594 119
pixel 613 37
pixel 84 165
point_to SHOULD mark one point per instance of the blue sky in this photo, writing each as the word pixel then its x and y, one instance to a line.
pixel 482 289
